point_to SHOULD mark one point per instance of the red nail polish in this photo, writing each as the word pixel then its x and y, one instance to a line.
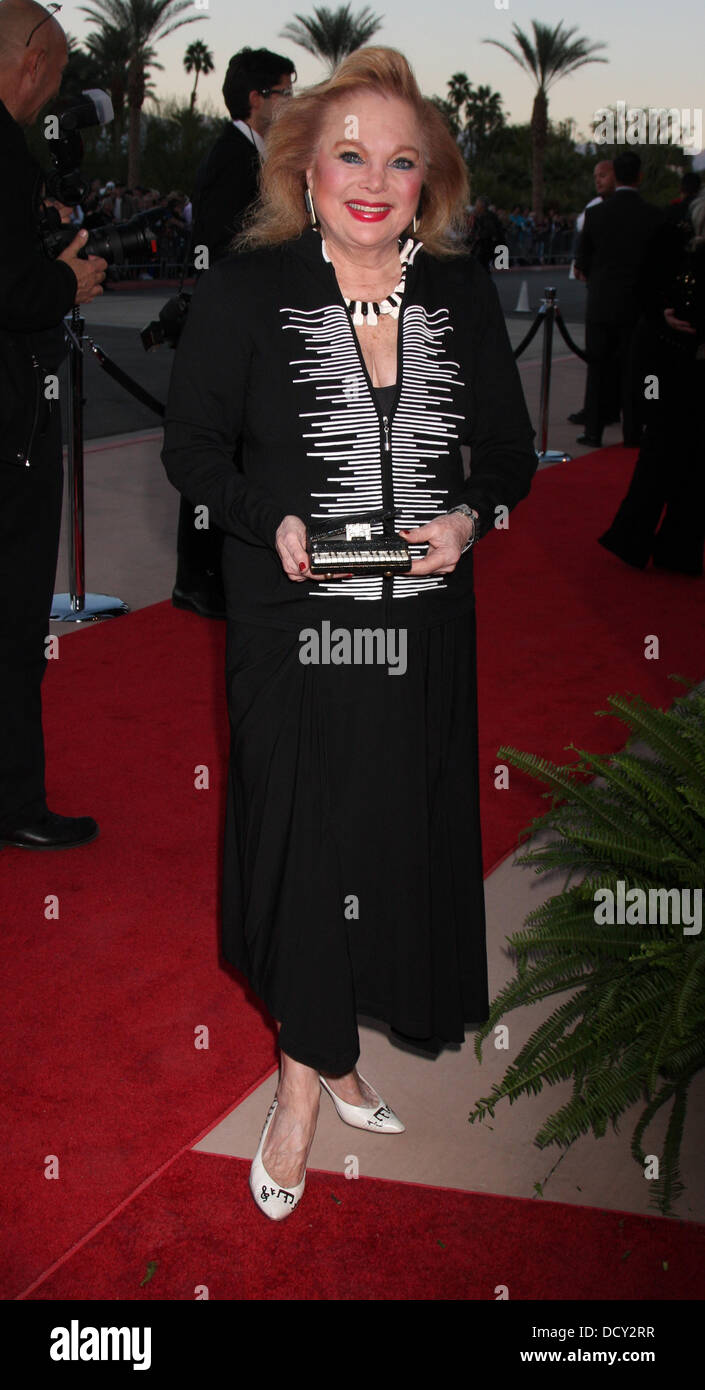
pixel 302 564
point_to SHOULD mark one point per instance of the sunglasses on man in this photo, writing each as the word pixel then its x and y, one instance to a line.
pixel 53 9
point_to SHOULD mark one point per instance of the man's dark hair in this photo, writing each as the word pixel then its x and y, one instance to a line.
pixel 627 167
pixel 249 71
pixel 690 184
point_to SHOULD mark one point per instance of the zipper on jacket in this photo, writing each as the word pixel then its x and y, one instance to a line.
pixel 387 479
pixel 385 439
pixel 388 500
pixel 28 450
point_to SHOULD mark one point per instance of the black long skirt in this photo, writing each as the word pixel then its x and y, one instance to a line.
pixel 352 865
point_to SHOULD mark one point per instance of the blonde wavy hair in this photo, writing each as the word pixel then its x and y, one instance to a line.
pixel 279 214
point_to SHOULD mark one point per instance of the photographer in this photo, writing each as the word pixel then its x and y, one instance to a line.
pixel 35 293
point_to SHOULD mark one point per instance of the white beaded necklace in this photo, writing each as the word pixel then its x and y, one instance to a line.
pixel 367 311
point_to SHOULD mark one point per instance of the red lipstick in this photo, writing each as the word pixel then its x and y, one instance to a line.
pixel 368 212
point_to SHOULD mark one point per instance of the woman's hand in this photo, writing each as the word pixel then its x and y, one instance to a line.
pixel 445 537
pixel 681 325
pixel 290 541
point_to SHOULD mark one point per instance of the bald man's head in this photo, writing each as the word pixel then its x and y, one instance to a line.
pixel 30 73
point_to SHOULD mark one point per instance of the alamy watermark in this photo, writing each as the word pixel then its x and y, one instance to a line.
pixel 648 125
pixel 652 907
pixel 76 1343
pixel 357 646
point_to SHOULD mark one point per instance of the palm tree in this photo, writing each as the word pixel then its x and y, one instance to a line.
pixel 79 72
pixel 199 59
pixel 484 113
pixel 143 23
pixel 331 34
pixel 474 114
pixel 459 90
pixel 553 54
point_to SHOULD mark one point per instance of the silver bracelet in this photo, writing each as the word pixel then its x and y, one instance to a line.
pixel 465 510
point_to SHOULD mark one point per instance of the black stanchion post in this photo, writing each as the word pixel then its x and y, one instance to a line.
pixel 549 307
pixel 77 606
pixel 77 574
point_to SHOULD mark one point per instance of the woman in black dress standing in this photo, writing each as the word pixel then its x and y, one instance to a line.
pixel 332 370
pixel 662 516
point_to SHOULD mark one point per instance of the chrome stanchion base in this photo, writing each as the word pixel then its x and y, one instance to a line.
pixel 554 456
pixel 67 608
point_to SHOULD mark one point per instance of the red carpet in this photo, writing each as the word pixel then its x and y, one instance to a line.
pixel 562 624
pixel 368 1239
pixel 103 1071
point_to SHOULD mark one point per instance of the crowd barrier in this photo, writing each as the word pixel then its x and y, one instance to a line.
pixel 548 316
pixel 529 247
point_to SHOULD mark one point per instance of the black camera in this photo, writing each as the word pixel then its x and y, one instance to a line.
pixel 118 244
pixel 167 328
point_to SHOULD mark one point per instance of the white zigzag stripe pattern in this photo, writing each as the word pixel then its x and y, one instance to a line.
pixel 345 432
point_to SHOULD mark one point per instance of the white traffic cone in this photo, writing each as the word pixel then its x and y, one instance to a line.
pixel 523 306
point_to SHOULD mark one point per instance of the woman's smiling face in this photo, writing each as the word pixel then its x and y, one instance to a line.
pixel 368 171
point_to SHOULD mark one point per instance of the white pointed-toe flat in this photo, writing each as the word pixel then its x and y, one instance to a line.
pixel 378 1119
pixel 275 1201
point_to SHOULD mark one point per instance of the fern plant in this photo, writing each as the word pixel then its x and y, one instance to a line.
pixel 633 1027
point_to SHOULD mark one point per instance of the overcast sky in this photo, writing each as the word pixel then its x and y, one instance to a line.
pixel 655 50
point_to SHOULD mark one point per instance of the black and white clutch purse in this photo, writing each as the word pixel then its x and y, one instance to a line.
pixel 349 546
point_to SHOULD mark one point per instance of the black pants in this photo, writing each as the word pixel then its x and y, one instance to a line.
pixel 30 522
pixel 669 472
pixel 611 378
pixel 199 555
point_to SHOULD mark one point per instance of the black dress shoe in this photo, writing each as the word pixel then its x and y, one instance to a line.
pixel 49 831
pixel 588 439
pixel 638 562
pixel 578 418
pixel 198 601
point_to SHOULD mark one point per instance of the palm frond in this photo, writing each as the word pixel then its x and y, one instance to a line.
pixel 633 1027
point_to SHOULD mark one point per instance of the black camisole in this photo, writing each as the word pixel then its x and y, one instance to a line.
pixel 385 397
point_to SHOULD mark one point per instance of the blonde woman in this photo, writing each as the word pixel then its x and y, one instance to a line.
pixel 333 368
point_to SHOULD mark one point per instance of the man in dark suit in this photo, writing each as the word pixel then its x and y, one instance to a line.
pixel 611 256
pixel 603 176
pixel 35 294
pixel 226 184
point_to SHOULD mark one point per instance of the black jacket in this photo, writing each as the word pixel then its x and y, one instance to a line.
pixel 269 360
pixel 35 293
pixel 226 183
pixel 612 252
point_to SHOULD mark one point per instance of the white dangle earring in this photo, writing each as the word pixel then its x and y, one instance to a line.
pixel 308 203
